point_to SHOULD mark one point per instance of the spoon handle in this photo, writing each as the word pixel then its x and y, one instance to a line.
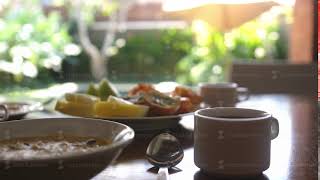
pixel 163 174
pixel 5 115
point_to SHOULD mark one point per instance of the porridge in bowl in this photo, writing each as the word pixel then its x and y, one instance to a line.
pixel 48 146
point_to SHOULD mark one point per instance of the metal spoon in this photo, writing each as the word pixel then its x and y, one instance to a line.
pixel 24 109
pixel 164 151
pixel 5 114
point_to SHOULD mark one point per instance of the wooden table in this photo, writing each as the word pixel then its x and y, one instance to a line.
pixel 293 152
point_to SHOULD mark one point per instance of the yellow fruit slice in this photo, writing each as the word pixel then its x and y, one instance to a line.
pixel 116 100
pixel 77 104
pixel 117 107
pixel 74 108
pixel 80 98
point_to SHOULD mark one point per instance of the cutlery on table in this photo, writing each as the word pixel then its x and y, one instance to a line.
pixel 21 109
pixel 5 115
pixel 164 151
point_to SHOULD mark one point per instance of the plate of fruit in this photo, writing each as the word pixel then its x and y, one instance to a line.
pixel 143 107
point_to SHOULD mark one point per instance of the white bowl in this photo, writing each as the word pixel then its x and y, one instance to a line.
pixel 77 165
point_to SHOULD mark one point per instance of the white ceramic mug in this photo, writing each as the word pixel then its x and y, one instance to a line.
pixel 232 141
pixel 222 94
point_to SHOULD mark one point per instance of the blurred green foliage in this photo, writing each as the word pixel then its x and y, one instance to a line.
pixel 33 49
pixel 206 58
pixel 196 54
pixel 264 39
pixel 259 39
pixel 32 45
pixel 150 55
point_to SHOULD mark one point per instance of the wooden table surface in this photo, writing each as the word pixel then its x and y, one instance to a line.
pixel 293 152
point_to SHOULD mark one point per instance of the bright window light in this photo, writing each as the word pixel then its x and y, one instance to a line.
pixel 178 5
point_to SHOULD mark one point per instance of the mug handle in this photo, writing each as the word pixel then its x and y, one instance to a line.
pixel 243 93
pixel 274 128
pixel 6 113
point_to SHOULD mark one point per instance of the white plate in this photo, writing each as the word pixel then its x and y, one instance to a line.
pixel 151 123
pixel 141 124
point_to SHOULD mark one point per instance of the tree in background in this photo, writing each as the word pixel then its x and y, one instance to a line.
pixel 84 12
